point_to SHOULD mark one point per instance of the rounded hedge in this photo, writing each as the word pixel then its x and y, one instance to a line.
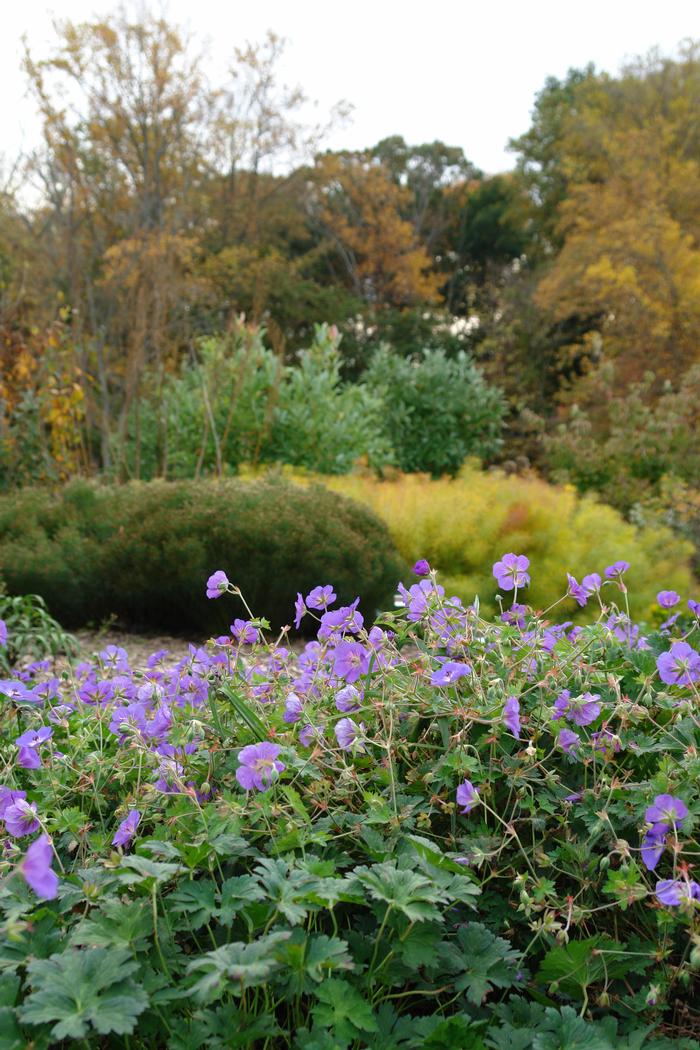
pixel 143 551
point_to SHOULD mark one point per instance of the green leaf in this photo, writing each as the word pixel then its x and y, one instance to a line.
pixel 245 713
pixel 117 925
pixel 342 1009
pixel 195 900
pixel 480 960
pixel 408 892
pixel 237 966
pixel 137 869
pixel 310 959
pixel 287 888
pixel 82 989
pixel 236 893
pixel 574 967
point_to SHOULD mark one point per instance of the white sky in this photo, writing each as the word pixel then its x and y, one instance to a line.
pixel 464 71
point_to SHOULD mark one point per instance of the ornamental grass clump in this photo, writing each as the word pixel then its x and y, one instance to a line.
pixel 438 830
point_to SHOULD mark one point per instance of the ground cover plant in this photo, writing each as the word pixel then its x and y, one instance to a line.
pixel 443 831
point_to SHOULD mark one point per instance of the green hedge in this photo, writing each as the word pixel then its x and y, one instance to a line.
pixel 143 551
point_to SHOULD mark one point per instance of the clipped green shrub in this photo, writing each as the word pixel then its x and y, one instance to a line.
pixel 143 551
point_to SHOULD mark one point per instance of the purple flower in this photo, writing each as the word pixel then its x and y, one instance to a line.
pixel 667 599
pixel 14 689
pixel 348 699
pixel 350 661
pixel 36 869
pixel 299 611
pixel 217 584
pixel 259 767
pixel 421 568
pixel 666 809
pixel 293 709
pixel 419 597
pixel 308 733
pixel 680 665
pixel 20 818
pixel 467 796
pixel 584 709
pixel 348 734
pixel 450 672
pixel 591 583
pixel 653 845
pixel 7 798
pixel 674 892
pixel 616 570
pixel 576 590
pixel 321 597
pixel 515 615
pixel 568 740
pixel 694 607
pixel 127 829
pixel 29 744
pixel 3 633
pixel 511 571
pixel 347 618
pixel 244 632
pixel 511 716
pixel 114 657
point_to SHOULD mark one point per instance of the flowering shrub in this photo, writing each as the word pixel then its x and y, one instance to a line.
pixel 443 831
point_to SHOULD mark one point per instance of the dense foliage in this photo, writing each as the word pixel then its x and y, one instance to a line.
pixel 136 551
pixel 461 524
pixel 436 411
pixel 446 831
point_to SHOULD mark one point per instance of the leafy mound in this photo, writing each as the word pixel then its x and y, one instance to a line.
pixel 141 550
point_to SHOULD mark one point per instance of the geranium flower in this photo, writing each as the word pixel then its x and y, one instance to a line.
pixel 667 809
pixel 350 661
pixel 467 796
pixel 617 569
pixel 582 709
pixel 674 892
pixel 3 633
pixel 36 869
pixel 293 709
pixel 511 716
pixel 299 611
pixel 321 597
pixel 349 734
pixel 667 599
pixel 421 568
pixel 348 699
pixel 511 571
pixel 568 740
pixel 259 766
pixel 244 632
pixel 127 829
pixel 29 744
pixel 347 618
pixel 653 845
pixel 680 665
pixel 450 672
pixel 21 819
pixel 217 584
pixel 8 797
